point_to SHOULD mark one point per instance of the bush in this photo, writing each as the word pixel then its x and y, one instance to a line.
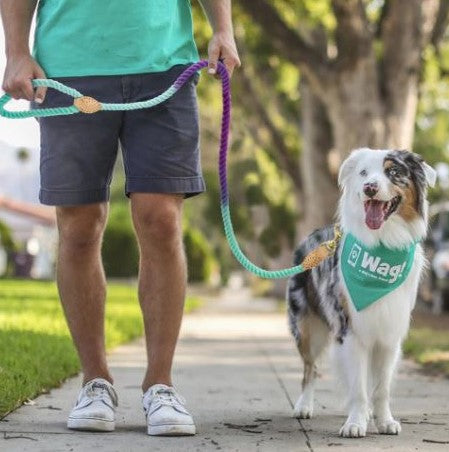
pixel 200 260
pixel 6 239
pixel 120 250
pixel 9 245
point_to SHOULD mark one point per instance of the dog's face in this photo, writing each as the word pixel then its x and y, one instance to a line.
pixel 382 185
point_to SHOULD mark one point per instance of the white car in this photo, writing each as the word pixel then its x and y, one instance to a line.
pixel 434 288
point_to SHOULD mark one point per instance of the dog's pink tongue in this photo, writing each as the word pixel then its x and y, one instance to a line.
pixel 374 214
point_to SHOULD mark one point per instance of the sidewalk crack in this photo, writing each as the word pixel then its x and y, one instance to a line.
pixel 287 395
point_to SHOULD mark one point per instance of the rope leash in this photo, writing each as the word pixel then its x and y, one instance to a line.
pixel 88 105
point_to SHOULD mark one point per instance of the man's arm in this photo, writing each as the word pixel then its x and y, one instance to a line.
pixel 21 68
pixel 222 44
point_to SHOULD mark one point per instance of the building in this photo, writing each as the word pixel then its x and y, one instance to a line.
pixel 32 225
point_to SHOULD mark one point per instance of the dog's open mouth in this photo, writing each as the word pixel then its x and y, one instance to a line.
pixel 377 211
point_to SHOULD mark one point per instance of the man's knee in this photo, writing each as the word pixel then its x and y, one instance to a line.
pixel 82 226
pixel 157 219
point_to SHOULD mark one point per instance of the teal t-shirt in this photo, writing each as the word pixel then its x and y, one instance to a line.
pixel 113 37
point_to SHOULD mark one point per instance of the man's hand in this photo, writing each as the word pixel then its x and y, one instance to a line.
pixel 222 46
pixel 20 70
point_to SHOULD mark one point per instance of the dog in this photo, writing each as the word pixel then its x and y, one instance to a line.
pixel 382 209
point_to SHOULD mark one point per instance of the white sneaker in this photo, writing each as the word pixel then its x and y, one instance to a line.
pixel 165 412
pixel 95 407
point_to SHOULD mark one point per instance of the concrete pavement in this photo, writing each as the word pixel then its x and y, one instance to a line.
pixel 240 373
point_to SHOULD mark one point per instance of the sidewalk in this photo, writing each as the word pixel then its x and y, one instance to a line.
pixel 240 374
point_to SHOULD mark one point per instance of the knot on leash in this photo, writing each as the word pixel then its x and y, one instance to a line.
pixel 323 251
pixel 88 105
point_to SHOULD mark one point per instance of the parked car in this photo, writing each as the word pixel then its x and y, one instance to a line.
pixel 434 288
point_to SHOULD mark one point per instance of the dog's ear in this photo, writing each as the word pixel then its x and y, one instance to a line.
pixel 430 173
pixel 347 167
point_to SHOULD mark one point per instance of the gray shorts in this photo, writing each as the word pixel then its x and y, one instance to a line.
pixel 160 145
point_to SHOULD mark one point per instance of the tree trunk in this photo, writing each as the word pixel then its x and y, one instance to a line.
pixel 405 33
pixel 319 184
pixel 354 104
pixel 284 260
pixel 367 85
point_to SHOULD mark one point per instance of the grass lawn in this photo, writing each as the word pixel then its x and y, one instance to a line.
pixel 428 342
pixel 36 352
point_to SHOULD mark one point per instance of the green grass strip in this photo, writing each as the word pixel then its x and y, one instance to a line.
pixel 36 352
pixel 429 347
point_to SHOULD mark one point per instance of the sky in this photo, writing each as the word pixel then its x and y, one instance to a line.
pixel 16 132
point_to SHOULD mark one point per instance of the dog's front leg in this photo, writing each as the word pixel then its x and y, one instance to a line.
pixel 383 364
pixel 353 358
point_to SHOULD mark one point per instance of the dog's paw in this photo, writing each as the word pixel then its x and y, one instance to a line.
pixel 303 412
pixel 353 430
pixel 390 427
pixel 303 409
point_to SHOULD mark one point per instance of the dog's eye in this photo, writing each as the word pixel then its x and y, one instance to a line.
pixel 393 172
pixel 363 173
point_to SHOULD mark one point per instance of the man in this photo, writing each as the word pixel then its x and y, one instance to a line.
pixel 118 51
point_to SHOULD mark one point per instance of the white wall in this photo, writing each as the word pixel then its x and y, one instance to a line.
pixel 18 181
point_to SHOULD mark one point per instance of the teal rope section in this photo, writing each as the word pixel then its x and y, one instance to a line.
pixel 244 261
pixel 34 113
pixel 138 105
pixel 47 112
pixel 49 83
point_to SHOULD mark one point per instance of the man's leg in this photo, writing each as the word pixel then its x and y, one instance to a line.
pixel 81 283
pixel 162 278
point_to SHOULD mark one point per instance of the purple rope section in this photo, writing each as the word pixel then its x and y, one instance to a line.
pixel 184 76
pixel 225 128
pixel 225 121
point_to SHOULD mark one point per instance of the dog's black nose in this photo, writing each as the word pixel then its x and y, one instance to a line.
pixel 370 189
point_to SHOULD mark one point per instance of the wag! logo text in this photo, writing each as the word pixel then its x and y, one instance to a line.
pixel 374 265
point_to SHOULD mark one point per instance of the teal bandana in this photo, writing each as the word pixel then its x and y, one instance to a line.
pixel 371 273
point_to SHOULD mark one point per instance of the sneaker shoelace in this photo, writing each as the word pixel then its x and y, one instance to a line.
pixel 165 397
pixel 98 391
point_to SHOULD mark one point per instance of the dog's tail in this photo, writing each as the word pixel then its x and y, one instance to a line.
pixel 293 326
pixel 293 294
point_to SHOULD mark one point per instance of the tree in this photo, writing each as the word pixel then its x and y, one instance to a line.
pixel 284 154
pixel 360 77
